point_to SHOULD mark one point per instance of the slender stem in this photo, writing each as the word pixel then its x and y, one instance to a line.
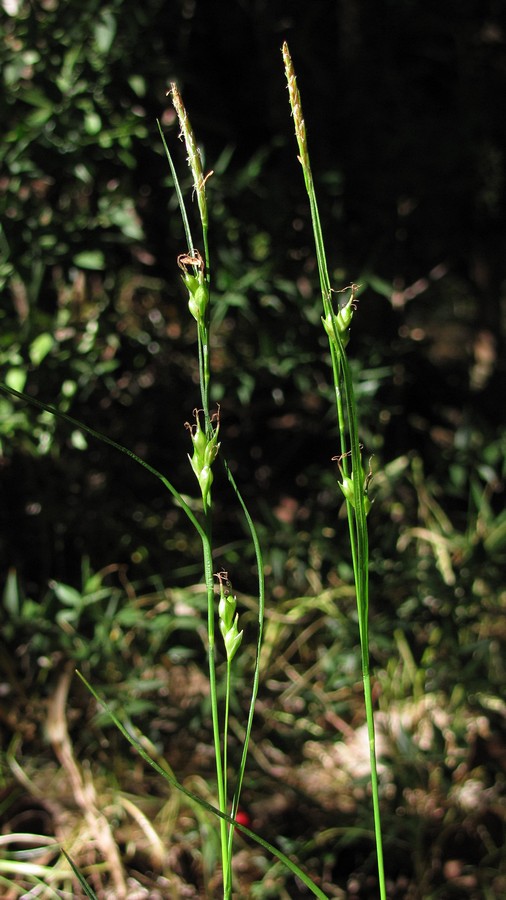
pixel 228 881
pixel 256 672
pixel 204 332
pixel 348 428
pixel 211 653
pixel 203 336
pixel 204 373
pixel 225 723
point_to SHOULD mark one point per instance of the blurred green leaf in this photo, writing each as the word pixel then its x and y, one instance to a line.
pixel 78 440
pixel 92 123
pixel 495 541
pixel 11 593
pixel 138 84
pixel 89 259
pixel 67 594
pixel 105 31
pixel 16 378
pixel 39 348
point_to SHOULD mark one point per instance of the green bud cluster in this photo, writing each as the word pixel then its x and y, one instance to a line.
pixel 340 321
pixel 205 451
pixel 198 295
pixel 348 489
pixel 228 619
pixel 196 284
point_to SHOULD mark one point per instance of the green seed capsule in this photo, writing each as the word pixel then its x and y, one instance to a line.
pixel 198 295
pixel 344 317
pixel 205 451
pixel 190 282
pixel 226 609
pixel 228 617
pixel 347 488
pixel 332 321
pixel 232 641
pixel 199 441
pixel 205 478
pixel 202 299
pixel 194 308
pixel 349 492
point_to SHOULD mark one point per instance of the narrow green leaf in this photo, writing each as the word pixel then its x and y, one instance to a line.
pixel 203 803
pixel 66 594
pixel 6 389
pixel 84 884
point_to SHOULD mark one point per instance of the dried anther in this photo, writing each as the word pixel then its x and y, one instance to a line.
pixel 224 582
pixel 338 459
pixel 192 258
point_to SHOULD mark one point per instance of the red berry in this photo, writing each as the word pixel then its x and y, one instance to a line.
pixel 242 818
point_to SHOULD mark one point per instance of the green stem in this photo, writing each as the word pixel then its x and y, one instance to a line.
pixel 211 653
pixel 220 764
pixel 225 724
pixel 204 374
pixel 204 332
pixel 348 427
pixel 256 672
pixel 228 881
pixel 366 680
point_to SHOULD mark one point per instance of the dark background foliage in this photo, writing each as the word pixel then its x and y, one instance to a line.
pixel 404 105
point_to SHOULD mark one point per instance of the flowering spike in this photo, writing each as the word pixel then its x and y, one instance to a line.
pixel 194 159
pixel 295 103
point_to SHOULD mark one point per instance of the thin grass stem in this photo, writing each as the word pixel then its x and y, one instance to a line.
pixel 353 480
pixel 202 275
pixel 256 671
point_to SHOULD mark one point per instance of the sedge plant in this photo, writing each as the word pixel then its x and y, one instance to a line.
pixel 204 432
pixel 205 445
pixel 354 481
